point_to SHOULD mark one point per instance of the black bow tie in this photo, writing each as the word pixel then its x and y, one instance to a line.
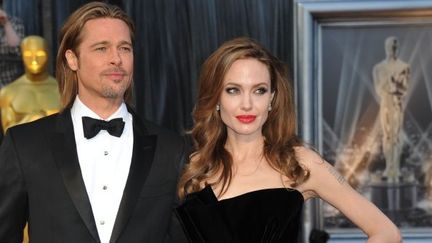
pixel 93 126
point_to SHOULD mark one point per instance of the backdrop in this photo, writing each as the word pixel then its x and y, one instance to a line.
pixel 173 38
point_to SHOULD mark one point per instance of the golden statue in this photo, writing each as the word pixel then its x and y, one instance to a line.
pixel 33 95
pixel 391 80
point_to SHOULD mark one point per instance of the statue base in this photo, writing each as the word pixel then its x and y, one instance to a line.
pixel 395 199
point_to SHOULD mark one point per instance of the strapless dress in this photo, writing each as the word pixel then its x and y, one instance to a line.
pixel 264 216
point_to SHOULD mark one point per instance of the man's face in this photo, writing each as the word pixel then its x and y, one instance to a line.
pixel 104 62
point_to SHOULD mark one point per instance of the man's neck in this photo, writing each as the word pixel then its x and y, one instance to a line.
pixel 103 107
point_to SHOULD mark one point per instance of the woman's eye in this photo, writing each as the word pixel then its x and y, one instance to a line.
pixel 261 90
pixel 232 90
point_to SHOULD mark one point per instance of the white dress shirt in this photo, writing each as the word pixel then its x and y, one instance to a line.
pixel 105 161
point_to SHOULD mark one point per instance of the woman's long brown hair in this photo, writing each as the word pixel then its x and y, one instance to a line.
pixel 209 132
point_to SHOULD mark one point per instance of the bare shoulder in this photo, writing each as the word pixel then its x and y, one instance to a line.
pixel 310 161
pixel 308 158
pixel 320 171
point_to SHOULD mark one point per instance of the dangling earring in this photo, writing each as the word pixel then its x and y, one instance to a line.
pixel 217 107
pixel 271 99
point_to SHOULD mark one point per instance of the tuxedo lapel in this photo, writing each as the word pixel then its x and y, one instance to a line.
pixel 64 150
pixel 142 159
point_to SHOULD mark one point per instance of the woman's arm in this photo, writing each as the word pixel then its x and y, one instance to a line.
pixel 326 183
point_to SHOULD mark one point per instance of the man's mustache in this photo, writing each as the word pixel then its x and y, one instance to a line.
pixel 114 70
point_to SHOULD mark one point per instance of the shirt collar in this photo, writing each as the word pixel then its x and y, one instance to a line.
pixel 79 109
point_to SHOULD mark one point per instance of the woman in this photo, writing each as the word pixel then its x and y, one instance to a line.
pixel 249 175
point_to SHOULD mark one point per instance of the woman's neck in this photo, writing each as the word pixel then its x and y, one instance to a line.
pixel 245 150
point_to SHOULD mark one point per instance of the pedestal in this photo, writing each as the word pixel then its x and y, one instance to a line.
pixel 394 199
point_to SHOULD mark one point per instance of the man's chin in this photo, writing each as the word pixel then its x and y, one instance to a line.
pixel 112 94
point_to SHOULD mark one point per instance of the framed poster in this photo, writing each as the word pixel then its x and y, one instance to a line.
pixel 363 76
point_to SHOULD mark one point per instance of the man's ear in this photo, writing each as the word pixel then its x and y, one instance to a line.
pixel 72 60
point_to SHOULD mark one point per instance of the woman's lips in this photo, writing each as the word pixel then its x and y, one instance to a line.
pixel 246 118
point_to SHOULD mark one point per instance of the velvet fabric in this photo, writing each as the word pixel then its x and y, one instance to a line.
pixel 268 215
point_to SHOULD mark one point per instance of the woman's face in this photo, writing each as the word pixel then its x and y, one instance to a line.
pixel 245 98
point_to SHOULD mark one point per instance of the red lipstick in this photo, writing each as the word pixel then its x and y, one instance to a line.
pixel 246 118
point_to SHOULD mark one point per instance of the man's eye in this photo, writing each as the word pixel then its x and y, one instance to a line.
pixel 102 48
pixel 125 49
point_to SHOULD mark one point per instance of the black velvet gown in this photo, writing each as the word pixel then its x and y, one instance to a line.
pixel 268 215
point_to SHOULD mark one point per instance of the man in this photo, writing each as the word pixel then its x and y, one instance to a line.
pixel 391 77
pixel 11 33
pixel 33 95
pixel 72 182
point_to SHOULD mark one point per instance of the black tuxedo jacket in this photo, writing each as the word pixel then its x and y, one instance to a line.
pixel 41 181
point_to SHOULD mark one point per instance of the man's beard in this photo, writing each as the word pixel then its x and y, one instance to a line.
pixel 114 92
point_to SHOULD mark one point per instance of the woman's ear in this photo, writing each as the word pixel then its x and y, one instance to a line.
pixel 72 60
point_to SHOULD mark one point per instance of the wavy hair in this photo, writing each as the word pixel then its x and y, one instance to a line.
pixel 70 37
pixel 209 133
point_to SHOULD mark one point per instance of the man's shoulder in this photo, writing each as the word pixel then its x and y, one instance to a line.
pixel 35 127
pixel 153 128
pixel 147 127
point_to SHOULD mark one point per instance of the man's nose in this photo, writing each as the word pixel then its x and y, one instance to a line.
pixel 116 57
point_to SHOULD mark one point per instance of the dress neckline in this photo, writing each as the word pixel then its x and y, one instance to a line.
pixel 210 191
